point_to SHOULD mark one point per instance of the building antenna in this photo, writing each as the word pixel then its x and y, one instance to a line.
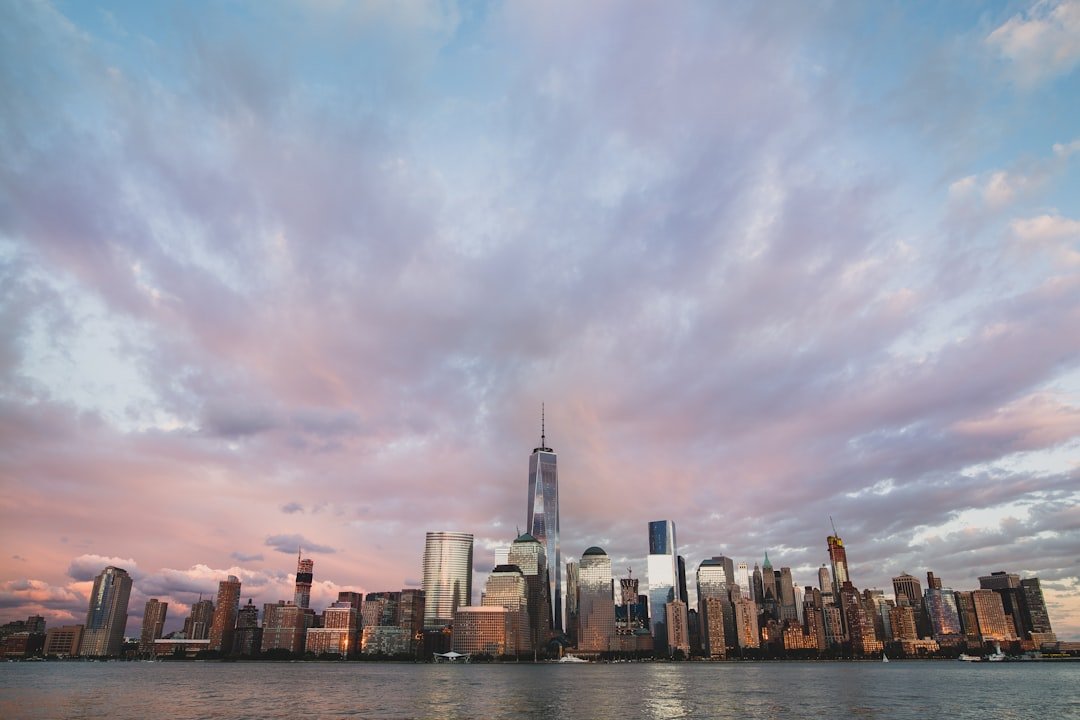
pixel 543 436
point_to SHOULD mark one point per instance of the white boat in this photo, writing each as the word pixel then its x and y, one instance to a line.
pixel 964 657
pixel 997 656
pixel 572 659
pixel 884 657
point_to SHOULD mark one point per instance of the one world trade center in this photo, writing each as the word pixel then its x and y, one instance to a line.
pixel 543 519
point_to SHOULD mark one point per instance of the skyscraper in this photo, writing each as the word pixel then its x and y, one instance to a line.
pixel 304 573
pixel 528 554
pixel 596 602
pixel 715 610
pixel 224 623
pixel 197 625
pixel 152 623
pixel 447 581
pixel 663 578
pixel 838 558
pixel 1038 619
pixel 106 616
pixel 1007 585
pixel 543 516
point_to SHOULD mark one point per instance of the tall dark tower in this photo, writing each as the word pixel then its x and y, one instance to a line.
pixel 543 518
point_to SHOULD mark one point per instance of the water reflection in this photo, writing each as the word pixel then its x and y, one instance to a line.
pixel 186 691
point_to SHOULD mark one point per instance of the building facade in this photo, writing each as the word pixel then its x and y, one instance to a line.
pixel 542 520
pixel 663 577
pixel 596 602
pixel 152 624
pixel 447 581
pixel 225 609
pixel 106 616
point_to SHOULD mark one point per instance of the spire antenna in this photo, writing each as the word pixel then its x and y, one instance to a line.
pixel 543 436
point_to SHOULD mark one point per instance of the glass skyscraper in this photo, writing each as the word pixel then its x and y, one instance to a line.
pixel 543 518
pixel 596 602
pixel 448 560
pixel 106 616
pixel 663 577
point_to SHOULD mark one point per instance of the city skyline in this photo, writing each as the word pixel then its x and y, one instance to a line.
pixel 275 278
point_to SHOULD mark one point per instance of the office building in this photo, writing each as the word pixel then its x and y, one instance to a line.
pixel 224 623
pixel 529 556
pixel 152 624
pixel 63 641
pixel 485 629
pixel 596 602
pixel 678 628
pixel 663 578
pixel 447 582
pixel 994 624
pixel 572 614
pixel 716 614
pixel 943 615
pixel 542 521
pixel 1038 619
pixel 1007 585
pixel 106 616
pixel 746 623
pixel 506 587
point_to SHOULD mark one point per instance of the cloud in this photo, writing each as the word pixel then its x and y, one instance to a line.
pixel 245 558
pixel 292 507
pixel 87 567
pixel 38 593
pixel 1064 150
pixel 1054 234
pixel 289 544
pixel 1042 42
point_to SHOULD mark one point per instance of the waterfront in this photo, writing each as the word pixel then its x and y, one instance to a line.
pixel 186 691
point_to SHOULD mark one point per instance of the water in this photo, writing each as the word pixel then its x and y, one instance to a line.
pixel 185 691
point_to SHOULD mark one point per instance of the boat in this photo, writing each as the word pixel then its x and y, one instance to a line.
pixel 572 659
pixel 964 657
pixel 997 655
pixel 884 657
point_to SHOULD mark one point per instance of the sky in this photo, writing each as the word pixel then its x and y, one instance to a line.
pixel 282 274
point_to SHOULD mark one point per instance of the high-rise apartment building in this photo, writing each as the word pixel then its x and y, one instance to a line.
pixel 247 640
pixel 447 581
pixel 152 624
pixel 285 626
pixel 225 609
pixel 304 573
pixel 678 628
pixel 663 578
pixel 542 521
pixel 106 616
pixel 596 602
pixel 338 633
